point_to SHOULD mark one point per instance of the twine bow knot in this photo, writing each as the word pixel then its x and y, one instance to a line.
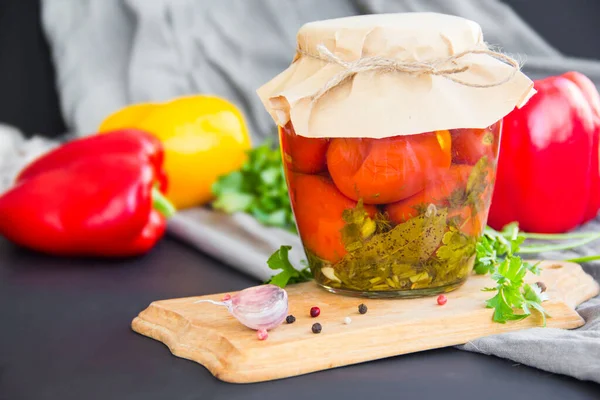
pixel 445 67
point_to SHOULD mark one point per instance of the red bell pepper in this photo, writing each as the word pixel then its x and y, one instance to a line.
pixel 131 142
pixel 548 177
pixel 90 197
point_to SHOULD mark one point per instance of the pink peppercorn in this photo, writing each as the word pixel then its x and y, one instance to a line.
pixel 442 299
pixel 315 311
pixel 262 334
pixel 226 297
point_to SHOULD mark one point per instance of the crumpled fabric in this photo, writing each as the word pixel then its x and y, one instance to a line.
pixel 112 53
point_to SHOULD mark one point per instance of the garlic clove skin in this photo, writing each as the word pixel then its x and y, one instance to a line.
pixel 260 307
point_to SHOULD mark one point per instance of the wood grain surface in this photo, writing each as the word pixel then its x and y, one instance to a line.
pixel 210 336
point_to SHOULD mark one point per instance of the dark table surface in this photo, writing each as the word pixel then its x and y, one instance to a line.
pixel 65 334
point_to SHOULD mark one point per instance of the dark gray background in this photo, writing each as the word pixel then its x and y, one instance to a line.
pixel 64 323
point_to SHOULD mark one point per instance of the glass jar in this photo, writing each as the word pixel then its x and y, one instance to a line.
pixel 398 216
pixel 388 194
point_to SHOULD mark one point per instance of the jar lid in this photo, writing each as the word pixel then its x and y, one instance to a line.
pixel 383 75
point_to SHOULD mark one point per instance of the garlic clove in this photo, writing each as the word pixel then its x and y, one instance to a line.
pixel 330 274
pixel 260 307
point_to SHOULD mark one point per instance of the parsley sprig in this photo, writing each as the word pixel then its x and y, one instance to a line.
pixel 280 261
pixel 514 298
pixel 496 254
pixel 258 188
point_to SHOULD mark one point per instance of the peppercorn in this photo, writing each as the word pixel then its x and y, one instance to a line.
pixel 290 319
pixel 316 328
pixel 362 309
pixel 315 311
pixel 442 299
pixel 542 286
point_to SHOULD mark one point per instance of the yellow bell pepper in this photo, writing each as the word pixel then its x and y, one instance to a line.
pixel 204 137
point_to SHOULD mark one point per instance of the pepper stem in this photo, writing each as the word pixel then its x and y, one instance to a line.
pixel 162 204
pixel 561 246
pixel 557 236
pixel 584 259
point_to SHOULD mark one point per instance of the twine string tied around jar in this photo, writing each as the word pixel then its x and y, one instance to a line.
pixel 446 67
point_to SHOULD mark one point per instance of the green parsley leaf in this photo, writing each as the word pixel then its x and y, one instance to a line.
pixel 496 255
pixel 486 255
pixel 493 246
pixel 534 298
pixel 280 261
pixel 258 188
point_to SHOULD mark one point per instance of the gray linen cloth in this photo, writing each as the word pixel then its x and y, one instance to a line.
pixel 111 53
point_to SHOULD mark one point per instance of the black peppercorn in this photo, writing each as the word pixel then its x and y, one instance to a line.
pixel 362 309
pixel 542 286
pixel 316 328
pixel 290 319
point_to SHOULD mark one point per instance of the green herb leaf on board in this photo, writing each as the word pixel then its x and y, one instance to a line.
pixel 496 255
pixel 279 260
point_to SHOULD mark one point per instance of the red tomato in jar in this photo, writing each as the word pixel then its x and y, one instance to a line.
pixel 302 154
pixel 438 191
pixel 318 208
pixel 381 171
pixel 469 145
pixel 403 210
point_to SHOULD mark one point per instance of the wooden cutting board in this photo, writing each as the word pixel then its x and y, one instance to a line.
pixel 208 335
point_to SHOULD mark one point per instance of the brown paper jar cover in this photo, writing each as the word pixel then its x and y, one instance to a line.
pixel 378 104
